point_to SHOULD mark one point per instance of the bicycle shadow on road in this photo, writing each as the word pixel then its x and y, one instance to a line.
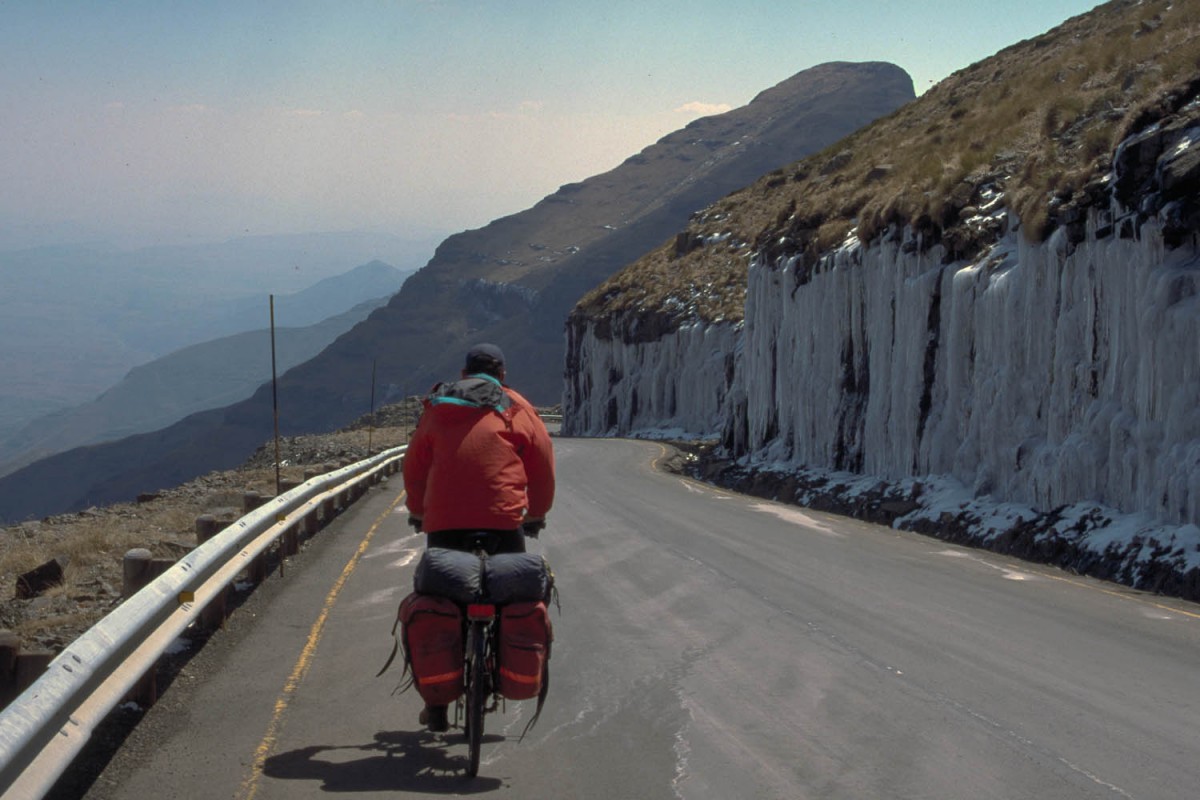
pixel 416 761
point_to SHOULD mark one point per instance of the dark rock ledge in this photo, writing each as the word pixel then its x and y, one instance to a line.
pixel 1058 537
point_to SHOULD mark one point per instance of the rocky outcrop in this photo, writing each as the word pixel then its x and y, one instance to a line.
pixel 1036 392
pixel 1039 373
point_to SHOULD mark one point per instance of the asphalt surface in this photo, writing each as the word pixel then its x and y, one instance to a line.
pixel 709 646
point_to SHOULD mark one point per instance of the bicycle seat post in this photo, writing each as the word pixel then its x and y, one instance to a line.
pixel 480 542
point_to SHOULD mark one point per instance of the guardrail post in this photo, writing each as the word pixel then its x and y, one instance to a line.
pixel 207 526
pixel 18 670
pixel 251 500
pixel 289 543
pixel 10 645
pixel 312 523
pixel 258 567
pixel 137 570
pixel 10 648
pixel 30 667
pixel 213 615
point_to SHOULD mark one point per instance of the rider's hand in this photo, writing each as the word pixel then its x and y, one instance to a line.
pixel 532 527
pixel 415 523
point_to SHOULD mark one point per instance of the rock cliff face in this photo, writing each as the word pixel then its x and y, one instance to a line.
pixel 1043 373
pixel 679 383
pixel 1044 367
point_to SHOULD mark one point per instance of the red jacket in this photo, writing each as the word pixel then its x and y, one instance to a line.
pixel 482 468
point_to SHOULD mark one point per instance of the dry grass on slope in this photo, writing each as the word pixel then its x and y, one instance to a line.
pixel 1038 121
pixel 93 543
pixel 700 275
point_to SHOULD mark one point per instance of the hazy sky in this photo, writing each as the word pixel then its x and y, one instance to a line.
pixel 166 122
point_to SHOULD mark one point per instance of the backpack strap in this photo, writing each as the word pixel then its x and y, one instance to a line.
pixel 541 699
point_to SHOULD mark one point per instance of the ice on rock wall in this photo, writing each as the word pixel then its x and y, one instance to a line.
pixel 1039 374
pixel 677 384
pixel 1047 375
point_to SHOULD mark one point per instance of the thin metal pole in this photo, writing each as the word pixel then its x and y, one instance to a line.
pixel 275 397
pixel 371 424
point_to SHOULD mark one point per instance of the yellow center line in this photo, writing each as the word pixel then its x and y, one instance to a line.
pixel 250 785
pixel 664 452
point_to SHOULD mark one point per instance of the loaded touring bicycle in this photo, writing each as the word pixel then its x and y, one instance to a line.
pixel 476 632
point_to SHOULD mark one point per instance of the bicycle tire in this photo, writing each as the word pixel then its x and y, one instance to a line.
pixel 476 695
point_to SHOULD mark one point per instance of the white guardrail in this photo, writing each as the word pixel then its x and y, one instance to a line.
pixel 45 727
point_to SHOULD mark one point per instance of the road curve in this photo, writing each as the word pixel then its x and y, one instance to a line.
pixel 709 646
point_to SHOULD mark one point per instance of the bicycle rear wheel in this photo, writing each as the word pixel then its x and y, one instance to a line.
pixel 476 694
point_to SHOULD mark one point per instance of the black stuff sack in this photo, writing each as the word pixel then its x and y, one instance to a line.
pixel 517 577
pixel 449 573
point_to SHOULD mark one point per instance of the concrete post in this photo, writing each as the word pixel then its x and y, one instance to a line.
pixel 207 526
pixel 18 670
pixel 10 649
pixel 289 543
pixel 212 616
pixel 136 571
pixel 312 522
pixel 258 567
pixel 30 667
pixel 251 500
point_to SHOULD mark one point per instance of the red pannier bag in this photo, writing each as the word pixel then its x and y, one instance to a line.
pixel 524 648
pixel 432 631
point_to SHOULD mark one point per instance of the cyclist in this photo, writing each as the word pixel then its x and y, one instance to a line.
pixel 480 459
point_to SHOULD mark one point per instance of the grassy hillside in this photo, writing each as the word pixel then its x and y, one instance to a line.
pixel 1037 123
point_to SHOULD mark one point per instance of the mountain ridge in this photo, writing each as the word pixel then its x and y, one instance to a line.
pixel 154 395
pixel 74 320
pixel 508 282
pixel 547 256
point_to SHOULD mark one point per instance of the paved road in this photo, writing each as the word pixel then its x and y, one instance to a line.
pixel 709 646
